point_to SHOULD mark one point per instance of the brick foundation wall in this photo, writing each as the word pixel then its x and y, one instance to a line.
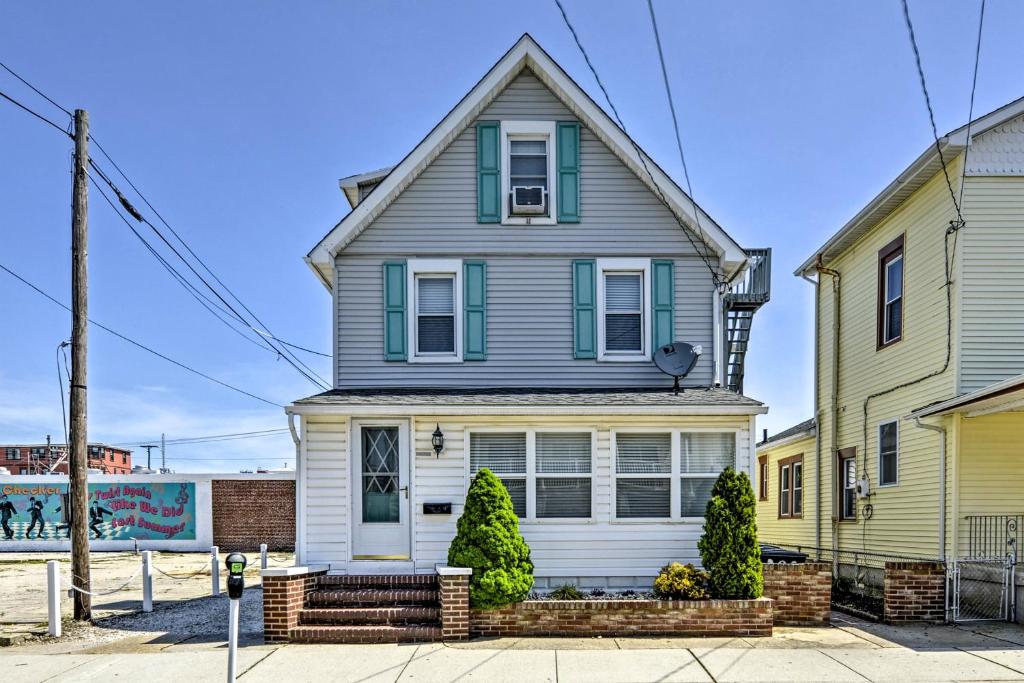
pixel 283 598
pixel 247 512
pixel 802 593
pixel 626 618
pixel 915 591
pixel 453 594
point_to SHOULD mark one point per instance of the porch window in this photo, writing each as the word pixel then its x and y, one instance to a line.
pixel 702 457
pixel 890 293
pixel 504 454
pixel 847 462
pixel 643 466
pixel 888 453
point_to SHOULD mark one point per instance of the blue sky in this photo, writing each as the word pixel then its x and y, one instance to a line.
pixel 237 118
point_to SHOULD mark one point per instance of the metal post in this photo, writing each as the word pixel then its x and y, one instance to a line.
pixel 53 597
pixel 147 581
pixel 263 555
pixel 163 454
pixel 232 639
pixel 215 570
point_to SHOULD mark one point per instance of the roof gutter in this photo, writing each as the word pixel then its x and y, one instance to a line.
pixel 362 410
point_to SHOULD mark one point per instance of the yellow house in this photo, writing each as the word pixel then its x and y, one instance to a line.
pixel 785 464
pixel 919 320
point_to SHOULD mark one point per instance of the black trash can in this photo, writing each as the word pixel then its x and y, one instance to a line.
pixel 775 554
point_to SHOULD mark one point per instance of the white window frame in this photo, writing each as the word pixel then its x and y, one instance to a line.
pixel 531 469
pixel 676 475
pixel 878 435
pixel 625 265
pixel 528 130
pixel 793 512
pixel 429 267
pixel 887 336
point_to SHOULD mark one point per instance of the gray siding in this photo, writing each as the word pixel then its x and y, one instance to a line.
pixel 992 324
pixel 529 302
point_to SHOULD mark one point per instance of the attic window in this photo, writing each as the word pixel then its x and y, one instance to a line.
pixel 365 189
pixel 528 167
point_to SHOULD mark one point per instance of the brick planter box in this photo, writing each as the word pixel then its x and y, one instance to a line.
pixel 802 593
pixel 626 618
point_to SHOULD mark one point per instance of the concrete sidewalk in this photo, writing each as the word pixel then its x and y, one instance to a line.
pixel 851 651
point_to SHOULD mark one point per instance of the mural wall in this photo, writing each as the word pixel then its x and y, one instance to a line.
pixel 118 511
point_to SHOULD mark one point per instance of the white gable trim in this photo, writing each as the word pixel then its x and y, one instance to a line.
pixel 526 53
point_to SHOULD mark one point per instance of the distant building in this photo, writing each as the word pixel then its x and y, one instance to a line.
pixel 40 458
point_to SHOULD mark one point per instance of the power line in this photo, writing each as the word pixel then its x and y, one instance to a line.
pixel 33 112
pixel 210 437
pixel 931 112
pixel 974 86
pixel 701 252
pixel 35 89
pixel 60 382
pixel 140 345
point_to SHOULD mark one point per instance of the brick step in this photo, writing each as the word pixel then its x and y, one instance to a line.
pixel 379 581
pixel 364 634
pixel 370 615
pixel 371 597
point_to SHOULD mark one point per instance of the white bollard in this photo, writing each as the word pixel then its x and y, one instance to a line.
pixel 215 570
pixel 53 597
pixel 147 581
pixel 232 639
pixel 263 555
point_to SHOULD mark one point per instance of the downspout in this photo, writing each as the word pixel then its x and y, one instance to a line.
pixel 942 482
pixel 717 342
pixel 834 401
pixel 817 421
pixel 300 514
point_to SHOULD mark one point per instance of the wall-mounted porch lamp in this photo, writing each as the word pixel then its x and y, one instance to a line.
pixel 437 439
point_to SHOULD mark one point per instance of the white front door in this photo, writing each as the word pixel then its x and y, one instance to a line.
pixel 380 490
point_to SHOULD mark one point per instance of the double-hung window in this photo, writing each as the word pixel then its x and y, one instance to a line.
pixel 668 475
pixel 435 333
pixel 847 461
pixel 528 167
pixel 890 293
pixel 888 453
pixel 623 298
pixel 791 486
pixel 14 454
pixel 548 474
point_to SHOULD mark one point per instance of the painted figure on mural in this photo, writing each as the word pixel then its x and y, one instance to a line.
pixel 35 509
pixel 6 512
pixel 96 513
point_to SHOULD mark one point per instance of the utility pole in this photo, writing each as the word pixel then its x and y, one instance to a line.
pixel 78 469
pixel 163 454
pixel 149 449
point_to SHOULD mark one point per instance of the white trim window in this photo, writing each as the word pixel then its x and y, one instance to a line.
pixel 435 329
pixel 548 474
pixel 528 162
pixel 889 453
pixel 892 303
pixel 668 475
pixel 623 296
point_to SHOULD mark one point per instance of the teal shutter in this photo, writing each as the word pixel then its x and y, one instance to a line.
pixel 568 145
pixel 474 310
pixel 394 310
pixel 488 172
pixel 584 305
pixel 662 302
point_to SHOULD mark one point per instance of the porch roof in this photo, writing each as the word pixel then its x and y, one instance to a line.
pixel 547 400
pixel 1000 397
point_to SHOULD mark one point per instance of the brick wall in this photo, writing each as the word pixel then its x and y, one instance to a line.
pixel 626 618
pixel 915 591
pixel 283 598
pixel 247 512
pixel 802 593
pixel 453 594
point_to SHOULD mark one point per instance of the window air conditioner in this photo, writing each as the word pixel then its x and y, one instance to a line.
pixel 529 200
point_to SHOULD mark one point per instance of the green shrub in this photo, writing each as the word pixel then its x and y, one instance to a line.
pixel 681 582
pixel 566 592
pixel 728 547
pixel 488 541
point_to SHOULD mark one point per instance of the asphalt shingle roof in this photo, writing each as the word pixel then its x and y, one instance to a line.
pixel 805 426
pixel 530 397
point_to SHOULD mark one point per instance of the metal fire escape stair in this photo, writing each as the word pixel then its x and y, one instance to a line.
pixel 741 302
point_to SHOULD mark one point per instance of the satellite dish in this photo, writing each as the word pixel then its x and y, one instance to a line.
pixel 677 359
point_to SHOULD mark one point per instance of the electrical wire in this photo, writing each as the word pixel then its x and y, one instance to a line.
pixel 701 252
pixel 139 344
pixel 209 437
pixel 33 113
pixel 35 89
pixel 60 382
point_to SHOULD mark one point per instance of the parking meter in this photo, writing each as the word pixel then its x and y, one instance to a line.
pixel 236 582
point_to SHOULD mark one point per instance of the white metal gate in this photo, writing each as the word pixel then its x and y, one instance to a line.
pixel 981 589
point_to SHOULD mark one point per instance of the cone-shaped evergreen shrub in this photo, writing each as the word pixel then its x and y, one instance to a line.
pixel 728 547
pixel 489 542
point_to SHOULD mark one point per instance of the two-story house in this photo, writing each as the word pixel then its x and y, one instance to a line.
pixel 498 296
pixel 919 324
